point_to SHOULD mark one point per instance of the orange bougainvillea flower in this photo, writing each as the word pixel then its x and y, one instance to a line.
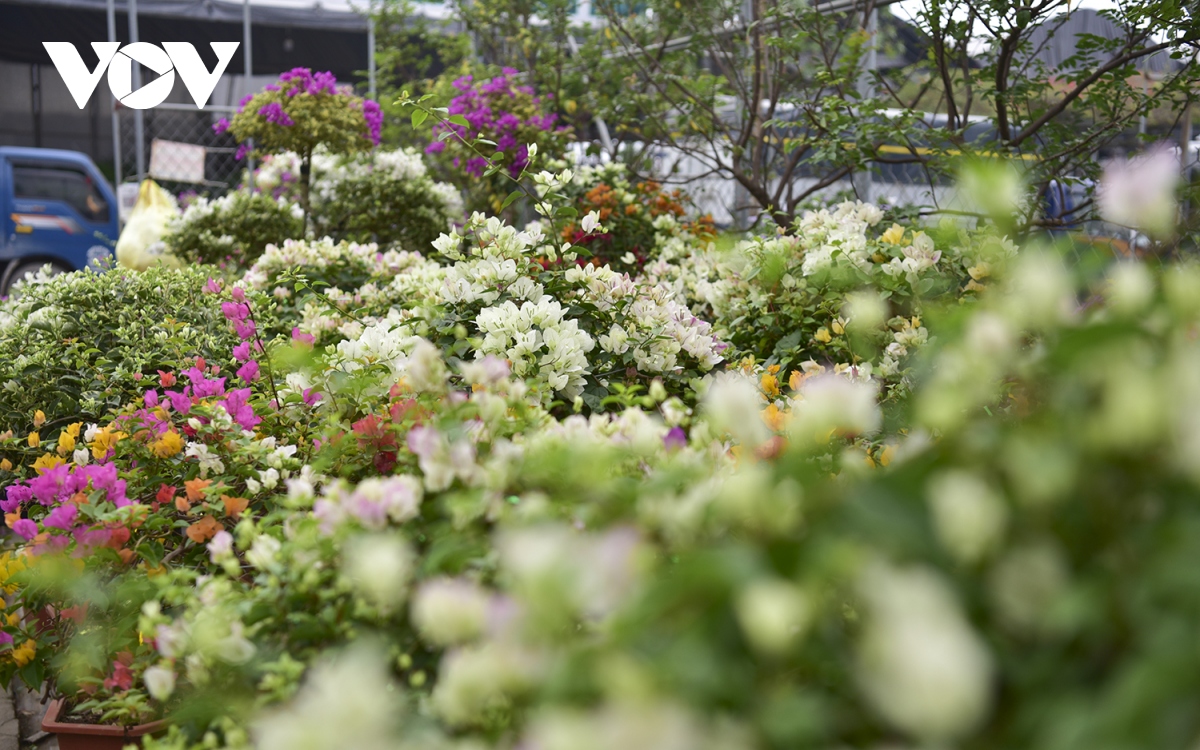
pixel 204 529
pixel 195 489
pixel 234 505
pixel 182 505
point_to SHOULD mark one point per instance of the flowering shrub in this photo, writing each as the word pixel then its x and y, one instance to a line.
pixel 233 230
pixel 339 278
pixel 545 318
pixel 509 115
pixel 301 112
pixel 98 338
pixel 833 295
pixel 384 196
pixel 713 604
pixel 507 501
pixel 639 218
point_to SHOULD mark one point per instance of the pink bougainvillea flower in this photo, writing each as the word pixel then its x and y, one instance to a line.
pixel 62 517
pixel 248 372
pixel 245 329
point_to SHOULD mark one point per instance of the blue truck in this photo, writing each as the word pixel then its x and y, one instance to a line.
pixel 55 208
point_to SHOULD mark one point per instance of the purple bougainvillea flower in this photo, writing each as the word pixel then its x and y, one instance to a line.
pixel 275 115
pixel 675 439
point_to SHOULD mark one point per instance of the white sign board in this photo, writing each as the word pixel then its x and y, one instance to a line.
pixel 127 193
pixel 176 162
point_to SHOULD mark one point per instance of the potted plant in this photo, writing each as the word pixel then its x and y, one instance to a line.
pixel 111 514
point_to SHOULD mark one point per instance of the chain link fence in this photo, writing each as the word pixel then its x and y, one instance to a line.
pixel 180 150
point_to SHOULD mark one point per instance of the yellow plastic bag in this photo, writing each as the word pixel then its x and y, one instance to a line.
pixel 140 244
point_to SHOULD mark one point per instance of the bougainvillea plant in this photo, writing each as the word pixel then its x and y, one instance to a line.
pixel 301 111
pixel 501 119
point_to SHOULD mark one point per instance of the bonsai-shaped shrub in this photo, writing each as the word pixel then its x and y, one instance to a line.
pixel 384 196
pixel 302 111
pixel 233 230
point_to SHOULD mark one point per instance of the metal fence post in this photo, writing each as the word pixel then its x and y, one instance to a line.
pixel 371 54
pixel 116 118
pixel 249 71
pixel 139 122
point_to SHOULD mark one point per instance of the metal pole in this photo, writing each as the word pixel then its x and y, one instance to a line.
pixel 139 122
pixel 601 125
pixel 371 54
pixel 116 119
pixel 864 181
pixel 248 58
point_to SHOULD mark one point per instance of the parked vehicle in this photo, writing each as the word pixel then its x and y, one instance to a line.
pixel 55 208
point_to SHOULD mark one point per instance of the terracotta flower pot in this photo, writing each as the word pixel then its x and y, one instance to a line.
pixel 94 736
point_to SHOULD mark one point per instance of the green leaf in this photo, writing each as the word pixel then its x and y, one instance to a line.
pixel 511 197
pixel 418 117
pixel 459 120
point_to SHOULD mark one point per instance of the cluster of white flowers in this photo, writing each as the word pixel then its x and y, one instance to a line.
pixel 540 342
pixel 647 320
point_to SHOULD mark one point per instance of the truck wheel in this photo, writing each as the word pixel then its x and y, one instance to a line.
pixel 19 271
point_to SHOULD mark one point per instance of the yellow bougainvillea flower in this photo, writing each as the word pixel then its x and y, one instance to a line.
pixel 73 429
pixel 839 326
pixel 894 235
pixel 24 653
pixel 885 455
pixel 106 438
pixel 823 336
pixel 66 444
pixel 9 566
pixel 167 445
pixel 770 384
pixel 39 419
pixel 774 417
pixel 34 440
pixel 47 461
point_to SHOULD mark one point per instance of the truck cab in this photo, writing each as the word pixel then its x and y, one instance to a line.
pixel 55 208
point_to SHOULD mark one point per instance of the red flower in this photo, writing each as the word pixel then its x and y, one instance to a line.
pixel 166 379
pixel 121 678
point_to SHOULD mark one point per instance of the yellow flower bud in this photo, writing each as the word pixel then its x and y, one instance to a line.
pixel 34 440
pixel 39 419
pixel 823 336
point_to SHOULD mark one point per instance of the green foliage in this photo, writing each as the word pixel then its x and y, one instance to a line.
pixel 232 231
pixel 77 345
